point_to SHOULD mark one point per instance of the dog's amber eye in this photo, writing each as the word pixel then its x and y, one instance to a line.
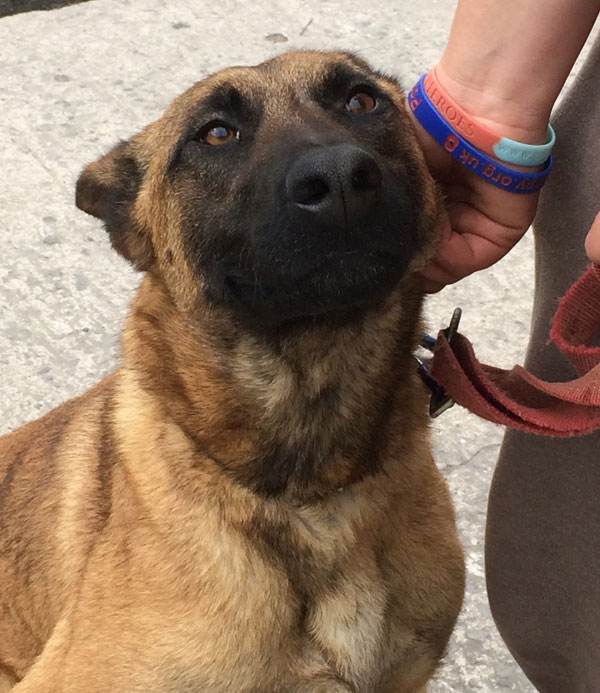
pixel 360 102
pixel 217 134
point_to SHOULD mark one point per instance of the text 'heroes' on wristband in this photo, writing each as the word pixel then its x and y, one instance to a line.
pixel 482 137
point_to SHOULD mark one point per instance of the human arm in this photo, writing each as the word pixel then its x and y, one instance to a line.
pixel 505 63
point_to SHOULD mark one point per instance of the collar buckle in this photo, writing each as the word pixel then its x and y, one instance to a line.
pixel 439 400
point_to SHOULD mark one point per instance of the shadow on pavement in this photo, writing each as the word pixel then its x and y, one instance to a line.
pixel 8 7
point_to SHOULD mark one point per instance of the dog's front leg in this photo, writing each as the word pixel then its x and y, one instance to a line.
pixel 44 676
pixel 421 689
pixel 5 684
pixel 325 684
pixel 401 686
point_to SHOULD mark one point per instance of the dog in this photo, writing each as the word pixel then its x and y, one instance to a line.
pixel 249 503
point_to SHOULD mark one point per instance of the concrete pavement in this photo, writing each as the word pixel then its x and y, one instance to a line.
pixel 75 80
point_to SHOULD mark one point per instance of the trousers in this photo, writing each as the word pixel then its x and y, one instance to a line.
pixel 543 527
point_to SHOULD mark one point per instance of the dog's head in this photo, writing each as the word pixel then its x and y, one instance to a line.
pixel 288 190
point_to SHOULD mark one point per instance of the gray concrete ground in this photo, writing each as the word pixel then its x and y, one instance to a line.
pixel 72 82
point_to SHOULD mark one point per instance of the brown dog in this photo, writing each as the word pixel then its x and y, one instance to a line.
pixel 249 503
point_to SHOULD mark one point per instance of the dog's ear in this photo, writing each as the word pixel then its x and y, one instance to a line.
pixel 107 189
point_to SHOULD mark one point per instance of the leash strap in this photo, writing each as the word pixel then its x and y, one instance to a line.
pixel 518 399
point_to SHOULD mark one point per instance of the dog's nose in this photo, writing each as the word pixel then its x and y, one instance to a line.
pixel 338 184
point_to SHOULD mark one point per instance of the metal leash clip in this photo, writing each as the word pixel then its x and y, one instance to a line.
pixel 439 401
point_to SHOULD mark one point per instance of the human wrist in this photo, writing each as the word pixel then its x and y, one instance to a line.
pixel 475 148
pixel 497 104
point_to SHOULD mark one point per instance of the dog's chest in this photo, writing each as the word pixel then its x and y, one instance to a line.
pixel 347 625
pixel 346 598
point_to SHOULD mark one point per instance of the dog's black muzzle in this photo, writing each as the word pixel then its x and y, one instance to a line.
pixel 339 237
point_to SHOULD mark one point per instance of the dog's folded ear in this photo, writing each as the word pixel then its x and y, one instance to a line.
pixel 107 189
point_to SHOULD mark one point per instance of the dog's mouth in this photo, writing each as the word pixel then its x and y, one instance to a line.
pixel 343 254
pixel 339 284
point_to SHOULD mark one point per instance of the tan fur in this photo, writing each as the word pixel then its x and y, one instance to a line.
pixel 134 557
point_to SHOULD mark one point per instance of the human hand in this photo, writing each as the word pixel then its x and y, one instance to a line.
pixel 482 222
pixel 592 241
pixel 505 63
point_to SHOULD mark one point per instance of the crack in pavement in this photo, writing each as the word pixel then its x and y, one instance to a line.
pixel 450 470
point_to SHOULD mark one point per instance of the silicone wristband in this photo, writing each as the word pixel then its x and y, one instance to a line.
pixel 482 137
pixel 474 159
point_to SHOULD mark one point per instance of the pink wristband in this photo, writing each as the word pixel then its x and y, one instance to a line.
pixel 481 137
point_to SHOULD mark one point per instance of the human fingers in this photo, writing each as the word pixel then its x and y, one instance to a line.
pixel 592 241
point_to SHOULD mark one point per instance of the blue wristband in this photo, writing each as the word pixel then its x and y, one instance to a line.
pixel 470 157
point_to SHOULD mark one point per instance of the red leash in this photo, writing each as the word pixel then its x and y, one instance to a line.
pixel 516 398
